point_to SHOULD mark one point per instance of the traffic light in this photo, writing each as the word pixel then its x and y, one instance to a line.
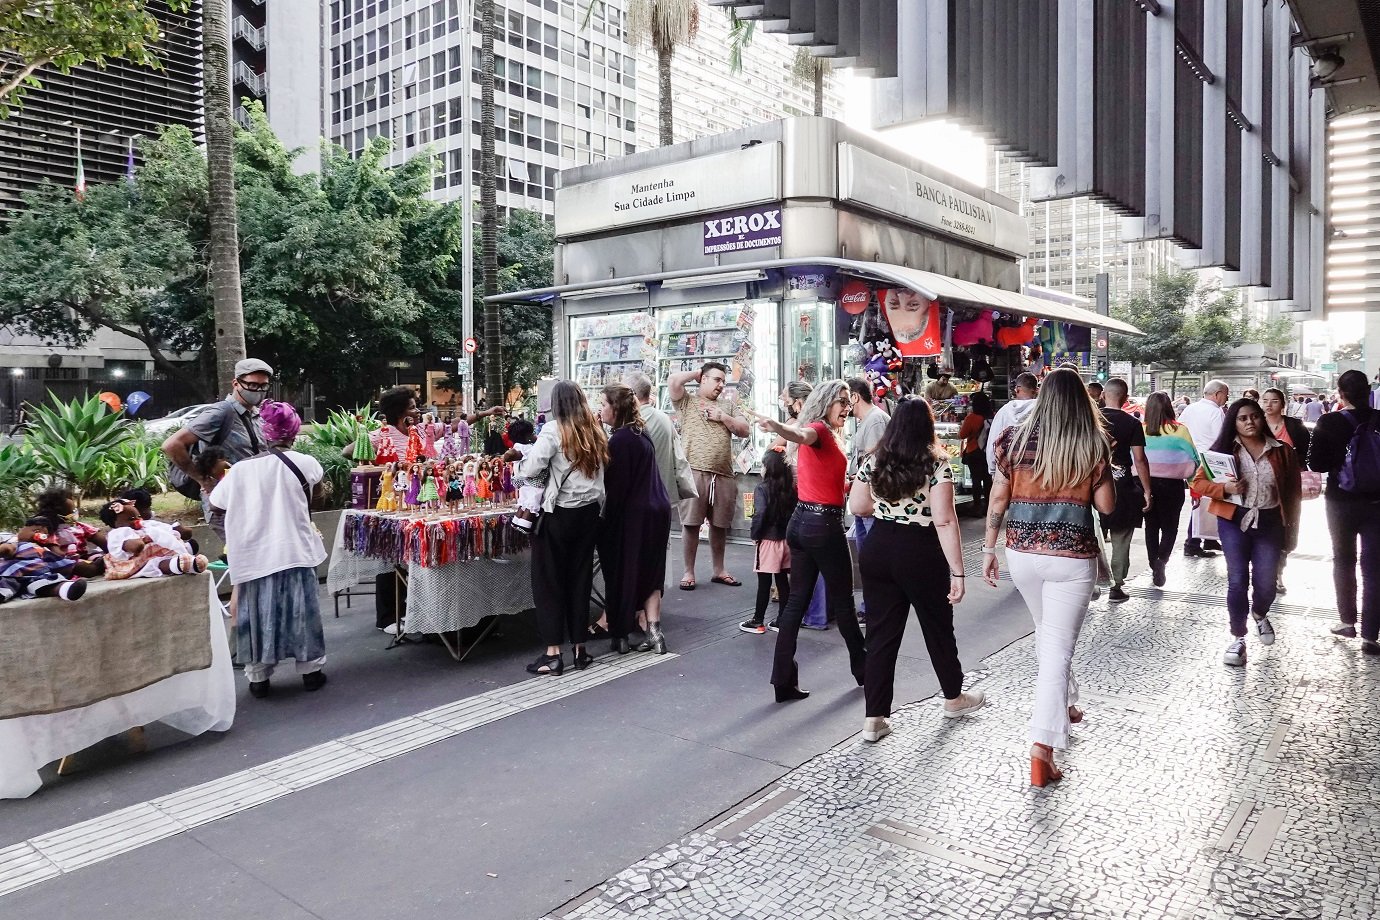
pixel 1102 369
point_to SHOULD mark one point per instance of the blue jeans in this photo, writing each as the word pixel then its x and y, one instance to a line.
pixel 818 549
pixel 1252 560
pixel 862 526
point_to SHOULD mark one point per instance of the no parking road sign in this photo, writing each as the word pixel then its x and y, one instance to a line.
pixel 471 346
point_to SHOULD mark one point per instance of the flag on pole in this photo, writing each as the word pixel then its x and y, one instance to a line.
pixel 129 162
pixel 81 171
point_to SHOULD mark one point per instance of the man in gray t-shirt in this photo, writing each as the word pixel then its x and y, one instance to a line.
pixel 872 422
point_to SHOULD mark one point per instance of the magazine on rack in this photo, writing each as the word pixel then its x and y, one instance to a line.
pixel 1222 468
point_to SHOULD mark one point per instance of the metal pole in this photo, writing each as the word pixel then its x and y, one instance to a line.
pixel 467 205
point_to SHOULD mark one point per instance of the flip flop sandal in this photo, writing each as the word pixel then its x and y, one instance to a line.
pixel 726 580
pixel 687 586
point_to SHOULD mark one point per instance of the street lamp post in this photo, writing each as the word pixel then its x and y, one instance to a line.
pixel 15 374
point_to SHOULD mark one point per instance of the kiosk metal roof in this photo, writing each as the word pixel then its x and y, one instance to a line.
pixel 930 284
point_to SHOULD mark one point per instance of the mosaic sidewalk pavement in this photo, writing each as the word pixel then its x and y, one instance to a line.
pixel 1192 790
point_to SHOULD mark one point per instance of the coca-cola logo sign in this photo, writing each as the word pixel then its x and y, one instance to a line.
pixel 855 297
pixel 752 228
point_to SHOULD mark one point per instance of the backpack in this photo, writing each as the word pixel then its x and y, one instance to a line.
pixel 1360 470
pixel 984 434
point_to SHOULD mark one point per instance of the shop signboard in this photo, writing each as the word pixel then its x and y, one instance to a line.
pixel 880 185
pixel 736 231
pixel 704 185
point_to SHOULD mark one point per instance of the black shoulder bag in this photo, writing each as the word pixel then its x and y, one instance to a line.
pixel 306 486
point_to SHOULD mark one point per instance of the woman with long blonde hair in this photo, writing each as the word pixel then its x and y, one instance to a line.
pixel 815 533
pixel 1052 470
pixel 571 453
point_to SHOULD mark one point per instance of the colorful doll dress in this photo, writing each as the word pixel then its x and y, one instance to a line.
pixel 414 487
pixel 427 494
pixel 429 441
pixel 462 431
pixel 387 500
pixel 455 490
pixel 484 488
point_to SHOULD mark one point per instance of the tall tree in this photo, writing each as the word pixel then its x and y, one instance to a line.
pixel 665 25
pixel 811 70
pixel 526 244
pixel 42 33
pixel 488 208
pixel 220 172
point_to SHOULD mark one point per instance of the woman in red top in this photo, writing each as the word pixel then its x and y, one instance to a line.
pixel 815 533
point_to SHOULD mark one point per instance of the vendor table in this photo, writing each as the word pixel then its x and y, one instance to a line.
pixel 447 597
pixel 127 654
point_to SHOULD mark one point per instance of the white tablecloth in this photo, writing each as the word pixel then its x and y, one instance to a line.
pixel 443 598
pixel 192 702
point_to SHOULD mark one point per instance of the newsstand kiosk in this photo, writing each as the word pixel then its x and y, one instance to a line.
pixel 798 249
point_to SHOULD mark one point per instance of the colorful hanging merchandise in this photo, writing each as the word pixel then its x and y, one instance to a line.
pixel 404 541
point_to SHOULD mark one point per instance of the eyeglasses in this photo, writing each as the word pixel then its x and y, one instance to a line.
pixel 253 387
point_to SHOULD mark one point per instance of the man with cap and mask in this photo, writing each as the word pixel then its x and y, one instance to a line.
pixel 232 425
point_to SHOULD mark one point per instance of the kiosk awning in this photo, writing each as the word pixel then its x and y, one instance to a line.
pixel 934 286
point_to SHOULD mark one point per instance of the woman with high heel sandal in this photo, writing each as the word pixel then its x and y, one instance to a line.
pixel 907 487
pixel 636 525
pixel 1052 470
pixel 572 451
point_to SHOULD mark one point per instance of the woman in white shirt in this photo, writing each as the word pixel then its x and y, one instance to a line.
pixel 572 450
pixel 273 550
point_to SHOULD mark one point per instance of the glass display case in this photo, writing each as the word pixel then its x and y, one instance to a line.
pixel 810 352
pixel 741 334
pixel 606 348
pixel 947 432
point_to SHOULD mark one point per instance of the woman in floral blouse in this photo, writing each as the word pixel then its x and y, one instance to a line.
pixel 907 486
pixel 1052 470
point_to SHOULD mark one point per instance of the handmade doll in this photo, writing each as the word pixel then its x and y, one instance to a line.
pixel 529 491
pixel 428 437
pixel 471 488
pixel 427 495
pixel 387 499
pixel 462 435
pixel 364 452
pixel 31 565
pixel 416 450
pixel 384 451
pixel 57 509
pixel 455 486
pixel 449 448
pixel 144 549
pixel 415 474
pixel 503 481
pixel 485 485
pixel 438 475
pixel 401 482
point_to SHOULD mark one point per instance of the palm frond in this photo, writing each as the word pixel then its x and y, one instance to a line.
pixel 740 33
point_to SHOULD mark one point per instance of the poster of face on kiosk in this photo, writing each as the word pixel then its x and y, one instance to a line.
pixel 914 322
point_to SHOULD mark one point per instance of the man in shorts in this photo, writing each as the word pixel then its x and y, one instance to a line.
pixel 707 426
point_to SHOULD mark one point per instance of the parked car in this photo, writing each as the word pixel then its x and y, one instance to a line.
pixel 173 420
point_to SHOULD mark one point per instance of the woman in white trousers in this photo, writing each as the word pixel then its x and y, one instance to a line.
pixel 1052 470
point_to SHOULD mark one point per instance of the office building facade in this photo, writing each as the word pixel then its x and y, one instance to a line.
pixel 565 92
pixel 1072 240
pixel 109 106
pixel 275 50
pixel 711 99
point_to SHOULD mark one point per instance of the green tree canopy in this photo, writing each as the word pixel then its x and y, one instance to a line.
pixel 341 271
pixel 526 243
pixel 41 33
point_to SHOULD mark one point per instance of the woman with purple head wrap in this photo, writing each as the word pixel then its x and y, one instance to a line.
pixel 280 423
pixel 273 550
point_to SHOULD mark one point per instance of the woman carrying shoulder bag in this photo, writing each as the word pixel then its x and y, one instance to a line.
pixel 573 450
pixel 1254 511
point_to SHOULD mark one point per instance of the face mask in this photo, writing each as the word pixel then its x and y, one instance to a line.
pixel 251 398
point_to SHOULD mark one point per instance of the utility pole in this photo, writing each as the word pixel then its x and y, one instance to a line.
pixel 1101 341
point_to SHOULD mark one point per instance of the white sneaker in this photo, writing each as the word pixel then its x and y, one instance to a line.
pixel 875 728
pixel 1236 653
pixel 1266 631
pixel 971 701
pixel 391 629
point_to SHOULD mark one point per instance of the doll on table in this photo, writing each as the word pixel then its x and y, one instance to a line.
pixel 416 472
pixel 57 508
pixel 428 437
pixel 427 495
pixel 387 497
pixel 485 486
pixel 471 489
pixel 463 435
pixel 32 565
pixel 145 549
pixel 455 487
pixel 401 483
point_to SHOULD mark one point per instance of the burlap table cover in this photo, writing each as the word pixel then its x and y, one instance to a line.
pixel 120 637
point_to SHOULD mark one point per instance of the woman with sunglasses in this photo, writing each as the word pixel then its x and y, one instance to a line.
pixel 815 533
pixel 1255 508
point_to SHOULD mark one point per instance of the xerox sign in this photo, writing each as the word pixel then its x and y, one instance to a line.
pixel 752 228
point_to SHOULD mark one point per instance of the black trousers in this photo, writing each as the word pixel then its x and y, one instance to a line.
pixel 903 566
pixel 1349 521
pixel 982 480
pixel 563 573
pixel 783 593
pixel 818 547
pixel 1167 498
